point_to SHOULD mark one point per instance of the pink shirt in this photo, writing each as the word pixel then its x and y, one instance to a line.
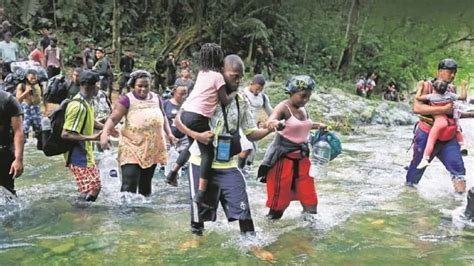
pixel 296 131
pixel 203 99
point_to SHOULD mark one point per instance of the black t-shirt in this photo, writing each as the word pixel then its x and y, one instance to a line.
pixel 9 107
pixel 73 89
pixel 127 64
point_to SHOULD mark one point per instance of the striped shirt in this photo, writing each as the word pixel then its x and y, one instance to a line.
pixel 79 118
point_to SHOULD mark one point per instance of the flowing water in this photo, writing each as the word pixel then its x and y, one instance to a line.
pixel 366 216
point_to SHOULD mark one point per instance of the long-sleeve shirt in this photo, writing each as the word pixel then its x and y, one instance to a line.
pixel 102 67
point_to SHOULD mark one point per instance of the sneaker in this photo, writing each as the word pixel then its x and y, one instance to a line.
pixel 172 178
pixel 423 164
pixel 459 185
pixel 200 199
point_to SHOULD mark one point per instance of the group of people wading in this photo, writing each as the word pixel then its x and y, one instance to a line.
pixel 216 128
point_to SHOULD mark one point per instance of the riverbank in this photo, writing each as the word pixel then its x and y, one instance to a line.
pixel 346 112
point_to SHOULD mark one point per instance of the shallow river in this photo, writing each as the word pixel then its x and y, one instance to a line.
pixel 366 216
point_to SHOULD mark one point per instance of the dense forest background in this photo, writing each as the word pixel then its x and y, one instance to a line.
pixel 337 41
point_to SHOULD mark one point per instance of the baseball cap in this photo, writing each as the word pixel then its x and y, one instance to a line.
pixel 100 49
pixel 88 77
pixel 448 63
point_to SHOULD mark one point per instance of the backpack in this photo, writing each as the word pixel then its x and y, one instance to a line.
pixel 329 137
pixel 55 144
pixel 57 91
pixel 12 80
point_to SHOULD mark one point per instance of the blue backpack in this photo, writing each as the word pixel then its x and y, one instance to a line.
pixel 330 137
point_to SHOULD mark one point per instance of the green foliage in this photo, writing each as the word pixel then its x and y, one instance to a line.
pixel 401 40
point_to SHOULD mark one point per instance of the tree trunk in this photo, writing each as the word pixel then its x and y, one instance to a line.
pixel 359 35
pixel 169 9
pixel 350 39
pixel 54 15
pixel 248 60
pixel 305 51
pixel 115 32
pixel 200 15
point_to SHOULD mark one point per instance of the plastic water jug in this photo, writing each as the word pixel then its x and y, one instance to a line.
pixel 321 156
pixel 108 166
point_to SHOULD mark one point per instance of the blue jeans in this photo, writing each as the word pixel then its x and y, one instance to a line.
pixel 448 152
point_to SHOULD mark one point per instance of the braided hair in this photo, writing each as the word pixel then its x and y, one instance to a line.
pixel 212 57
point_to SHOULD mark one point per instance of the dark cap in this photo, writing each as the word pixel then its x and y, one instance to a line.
pixel 447 63
pixel 88 77
pixel 100 49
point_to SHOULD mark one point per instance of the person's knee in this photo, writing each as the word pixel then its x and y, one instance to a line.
pixel 129 179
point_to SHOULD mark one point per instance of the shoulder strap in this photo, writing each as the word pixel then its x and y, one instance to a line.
pixel 225 115
pixel 289 109
pixel 264 100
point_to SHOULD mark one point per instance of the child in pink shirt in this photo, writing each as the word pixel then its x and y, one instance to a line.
pixel 440 96
pixel 197 111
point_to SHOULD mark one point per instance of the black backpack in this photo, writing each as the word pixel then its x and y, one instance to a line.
pixel 57 91
pixel 54 144
pixel 12 80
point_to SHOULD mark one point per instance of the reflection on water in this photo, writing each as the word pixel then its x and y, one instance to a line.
pixel 366 215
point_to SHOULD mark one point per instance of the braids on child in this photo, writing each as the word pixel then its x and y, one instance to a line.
pixel 212 57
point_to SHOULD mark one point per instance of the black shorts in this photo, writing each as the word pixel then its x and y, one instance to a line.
pixel 228 187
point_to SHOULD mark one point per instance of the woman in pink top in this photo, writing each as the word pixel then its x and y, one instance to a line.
pixel 198 109
pixel 285 167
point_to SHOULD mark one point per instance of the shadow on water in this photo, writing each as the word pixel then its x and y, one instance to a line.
pixel 365 215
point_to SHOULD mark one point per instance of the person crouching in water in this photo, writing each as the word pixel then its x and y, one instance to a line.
pixel 440 96
pixel 285 167
pixel 142 144
pixel 79 127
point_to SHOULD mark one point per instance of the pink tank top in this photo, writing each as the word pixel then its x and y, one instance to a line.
pixel 295 130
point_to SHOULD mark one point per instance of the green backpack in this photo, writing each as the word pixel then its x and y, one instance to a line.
pixel 330 137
